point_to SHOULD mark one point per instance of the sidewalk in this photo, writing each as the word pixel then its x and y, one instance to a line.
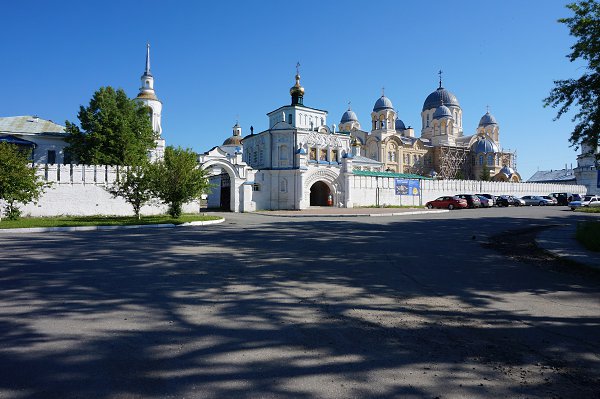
pixel 561 242
pixel 328 211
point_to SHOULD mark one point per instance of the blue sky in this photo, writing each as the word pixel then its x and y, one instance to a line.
pixel 215 62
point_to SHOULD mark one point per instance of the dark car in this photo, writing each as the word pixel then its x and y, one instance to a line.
pixel 507 200
pixel 565 198
pixel 472 200
pixel 447 202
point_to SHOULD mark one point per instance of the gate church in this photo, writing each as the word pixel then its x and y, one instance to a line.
pixel 299 161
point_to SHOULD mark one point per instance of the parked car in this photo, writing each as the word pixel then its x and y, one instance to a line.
pixel 447 202
pixel 565 198
pixel 507 200
pixel 536 200
pixel 472 200
pixel 588 200
pixel 485 202
pixel 489 197
pixel 554 200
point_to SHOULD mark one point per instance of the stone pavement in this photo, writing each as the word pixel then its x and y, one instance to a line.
pixel 561 241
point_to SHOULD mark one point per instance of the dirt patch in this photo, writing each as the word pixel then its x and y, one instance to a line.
pixel 520 245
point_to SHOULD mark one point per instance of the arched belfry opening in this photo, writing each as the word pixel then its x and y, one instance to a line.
pixel 320 194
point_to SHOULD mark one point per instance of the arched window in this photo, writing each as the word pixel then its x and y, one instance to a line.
pixel 481 160
pixel 490 159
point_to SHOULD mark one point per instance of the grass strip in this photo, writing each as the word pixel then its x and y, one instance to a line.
pixel 72 221
pixel 588 234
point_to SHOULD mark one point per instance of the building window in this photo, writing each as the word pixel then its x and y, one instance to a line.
pixel 256 187
pixel 491 159
pixel 255 157
pixel 312 154
pixel 481 160
pixel 51 157
pixel 335 156
pixel 290 119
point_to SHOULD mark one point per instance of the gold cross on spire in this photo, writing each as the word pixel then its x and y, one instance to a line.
pixel 298 68
pixel 383 91
pixel 440 73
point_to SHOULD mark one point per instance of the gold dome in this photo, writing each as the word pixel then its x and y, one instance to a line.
pixel 297 89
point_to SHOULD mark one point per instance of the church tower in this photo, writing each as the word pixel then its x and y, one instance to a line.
pixel 147 96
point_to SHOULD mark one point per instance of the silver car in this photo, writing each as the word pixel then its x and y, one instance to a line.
pixel 536 200
pixel 588 200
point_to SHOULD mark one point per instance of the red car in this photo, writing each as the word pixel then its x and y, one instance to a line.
pixel 447 202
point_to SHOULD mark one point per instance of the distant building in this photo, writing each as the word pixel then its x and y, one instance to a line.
pixel 44 138
pixel 563 176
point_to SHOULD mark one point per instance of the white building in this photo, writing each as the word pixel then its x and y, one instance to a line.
pixel 44 138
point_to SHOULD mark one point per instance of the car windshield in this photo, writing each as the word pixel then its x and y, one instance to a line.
pixel 588 197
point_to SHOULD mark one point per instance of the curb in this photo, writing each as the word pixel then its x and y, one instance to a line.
pixel 120 227
pixel 338 215
pixel 560 241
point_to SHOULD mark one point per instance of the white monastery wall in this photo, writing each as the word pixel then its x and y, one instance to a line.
pixel 79 190
pixel 369 190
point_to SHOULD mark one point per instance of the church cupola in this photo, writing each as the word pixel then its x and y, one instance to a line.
pixel 297 91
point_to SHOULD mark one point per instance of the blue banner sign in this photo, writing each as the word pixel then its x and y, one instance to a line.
pixel 407 187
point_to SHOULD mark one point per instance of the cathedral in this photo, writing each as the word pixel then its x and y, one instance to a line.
pixel 441 151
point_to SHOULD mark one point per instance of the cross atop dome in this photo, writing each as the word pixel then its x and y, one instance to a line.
pixel 440 73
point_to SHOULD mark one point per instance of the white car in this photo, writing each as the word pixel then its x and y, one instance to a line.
pixel 588 200
pixel 536 200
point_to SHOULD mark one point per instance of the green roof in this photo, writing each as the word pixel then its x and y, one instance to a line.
pixel 390 174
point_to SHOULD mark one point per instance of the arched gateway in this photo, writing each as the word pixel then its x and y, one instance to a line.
pixel 320 194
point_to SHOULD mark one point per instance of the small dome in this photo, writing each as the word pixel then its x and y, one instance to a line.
pixel 400 125
pixel 438 96
pixel 442 112
pixel 233 140
pixel 349 116
pixel 297 90
pixel 383 103
pixel 484 145
pixel 507 170
pixel 487 119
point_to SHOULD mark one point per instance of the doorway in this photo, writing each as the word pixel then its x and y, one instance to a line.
pixel 320 194
pixel 225 201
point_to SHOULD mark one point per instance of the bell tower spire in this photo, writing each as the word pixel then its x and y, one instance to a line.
pixel 147 71
pixel 147 96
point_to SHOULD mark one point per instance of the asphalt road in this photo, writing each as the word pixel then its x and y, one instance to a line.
pixel 270 307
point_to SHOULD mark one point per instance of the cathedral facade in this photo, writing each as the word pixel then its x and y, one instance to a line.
pixel 442 150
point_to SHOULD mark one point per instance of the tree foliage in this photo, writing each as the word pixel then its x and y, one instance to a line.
pixel 19 183
pixel 179 179
pixel 136 185
pixel 584 92
pixel 485 173
pixel 115 130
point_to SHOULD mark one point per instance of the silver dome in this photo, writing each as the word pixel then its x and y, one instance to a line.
pixel 382 103
pixel 438 96
pixel 484 145
pixel 399 124
pixel 508 171
pixel 349 116
pixel 487 119
pixel 442 112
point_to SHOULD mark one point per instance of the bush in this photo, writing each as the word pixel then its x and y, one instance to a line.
pixel 588 234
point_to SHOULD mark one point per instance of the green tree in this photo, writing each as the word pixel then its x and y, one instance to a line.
pixel 583 92
pixel 19 183
pixel 179 179
pixel 115 130
pixel 485 173
pixel 136 185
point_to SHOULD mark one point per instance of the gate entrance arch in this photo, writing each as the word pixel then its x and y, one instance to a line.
pixel 222 178
pixel 320 194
